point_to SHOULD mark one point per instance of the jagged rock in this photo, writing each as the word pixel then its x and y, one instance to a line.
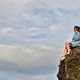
pixel 69 68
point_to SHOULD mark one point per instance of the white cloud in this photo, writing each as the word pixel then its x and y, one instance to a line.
pixel 6 30
pixel 55 28
pixel 9 31
pixel 37 77
pixel 27 57
pixel 69 4
pixel 15 3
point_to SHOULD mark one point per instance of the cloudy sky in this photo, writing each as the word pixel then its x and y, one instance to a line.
pixel 32 35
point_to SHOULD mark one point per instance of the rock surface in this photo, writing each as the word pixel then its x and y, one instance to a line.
pixel 69 68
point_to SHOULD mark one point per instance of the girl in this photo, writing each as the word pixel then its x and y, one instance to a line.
pixel 75 41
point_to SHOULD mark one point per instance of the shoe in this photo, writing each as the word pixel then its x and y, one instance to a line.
pixel 62 58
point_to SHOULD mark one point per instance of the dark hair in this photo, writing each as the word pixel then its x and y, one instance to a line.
pixel 77 27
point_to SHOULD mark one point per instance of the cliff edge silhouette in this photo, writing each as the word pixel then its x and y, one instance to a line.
pixel 69 68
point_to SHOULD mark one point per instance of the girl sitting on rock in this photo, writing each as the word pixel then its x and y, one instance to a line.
pixel 75 41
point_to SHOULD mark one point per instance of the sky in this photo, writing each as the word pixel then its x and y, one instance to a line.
pixel 32 36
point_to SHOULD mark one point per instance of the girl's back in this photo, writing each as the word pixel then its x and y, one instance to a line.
pixel 76 37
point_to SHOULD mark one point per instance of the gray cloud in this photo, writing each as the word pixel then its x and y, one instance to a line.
pixel 14 3
pixel 45 24
pixel 49 3
pixel 25 59
pixel 18 76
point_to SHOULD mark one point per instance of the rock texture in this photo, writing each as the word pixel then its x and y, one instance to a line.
pixel 69 68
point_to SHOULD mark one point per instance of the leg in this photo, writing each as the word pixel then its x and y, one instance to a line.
pixel 67 48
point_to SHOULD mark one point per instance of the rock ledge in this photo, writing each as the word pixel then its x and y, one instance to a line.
pixel 69 68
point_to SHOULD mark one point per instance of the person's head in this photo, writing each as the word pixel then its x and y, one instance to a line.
pixel 76 29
